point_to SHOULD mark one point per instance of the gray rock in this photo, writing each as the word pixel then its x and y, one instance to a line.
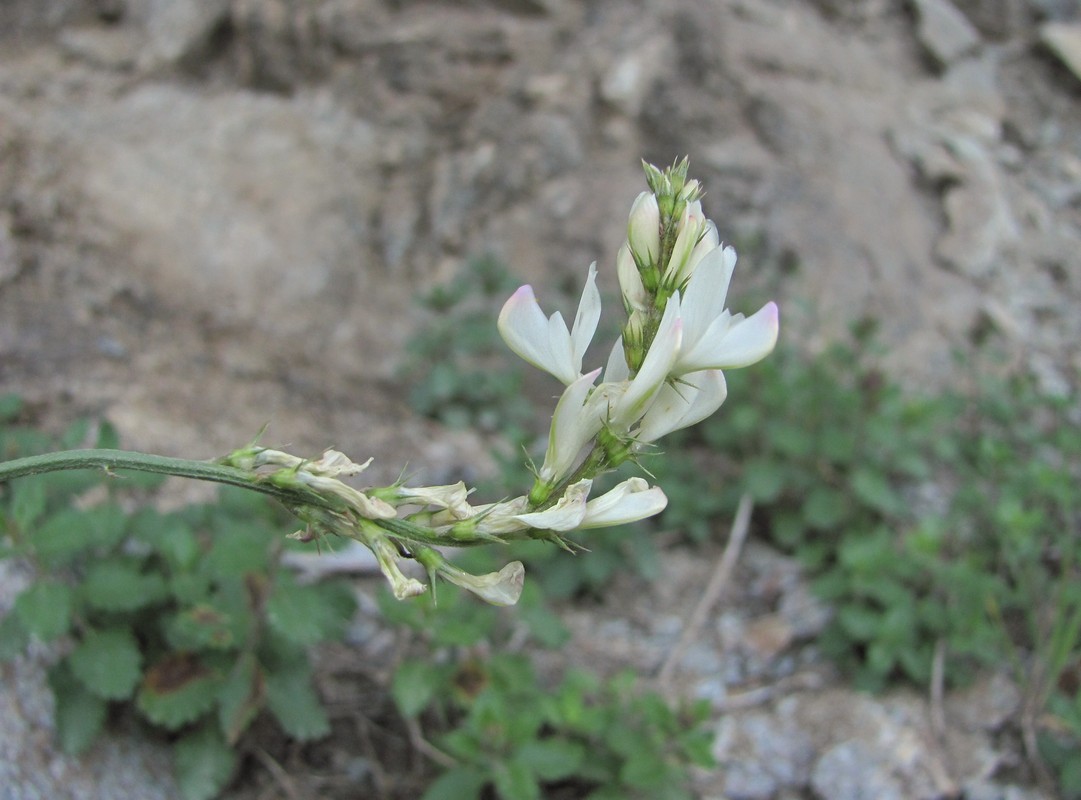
pixel 763 753
pixel 177 29
pixel 944 31
pixel 854 771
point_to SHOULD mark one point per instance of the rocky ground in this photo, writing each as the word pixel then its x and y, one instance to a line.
pixel 216 213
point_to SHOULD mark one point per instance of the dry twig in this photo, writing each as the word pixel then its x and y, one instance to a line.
pixel 712 592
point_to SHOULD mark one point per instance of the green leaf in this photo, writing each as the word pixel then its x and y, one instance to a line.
pixel 201 627
pixel 459 783
pixel 241 697
pixel 293 702
pixel 44 609
pixel 107 662
pixel 169 535
pixel 13 638
pixel 75 435
pixel 62 537
pixel 310 614
pixel 859 622
pixel 177 690
pixel 874 490
pixel 414 685
pixel 80 715
pixel 764 479
pixel 515 781
pixel 824 508
pixel 241 549
pixel 119 585
pixel 11 405
pixel 27 501
pixel 551 759
pixel 204 763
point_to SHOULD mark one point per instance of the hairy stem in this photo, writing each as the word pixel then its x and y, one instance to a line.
pixel 110 460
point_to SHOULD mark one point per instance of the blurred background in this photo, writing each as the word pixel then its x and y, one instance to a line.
pixel 220 214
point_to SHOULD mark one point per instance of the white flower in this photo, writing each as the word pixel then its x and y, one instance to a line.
pixel 452 497
pixel 713 337
pixel 501 588
pixel 575 422
pixel 629 501
pixel 387 555
pixel 681 404
pixel 628 402
pixel 566 515
pixel 368 507
pixel 545 342
pixel 693 230
pixel 644 229
pixel 635 296
pixel 334 464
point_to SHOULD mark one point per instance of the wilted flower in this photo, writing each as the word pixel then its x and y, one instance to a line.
pixel 501 588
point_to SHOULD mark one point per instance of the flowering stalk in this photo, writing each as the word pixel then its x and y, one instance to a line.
pixel 664 372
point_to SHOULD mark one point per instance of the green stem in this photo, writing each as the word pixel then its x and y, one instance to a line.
pixel 144 462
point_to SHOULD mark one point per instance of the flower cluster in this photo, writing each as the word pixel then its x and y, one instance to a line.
pixel 664 372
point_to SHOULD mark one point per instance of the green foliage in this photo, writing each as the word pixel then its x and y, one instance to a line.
pixel 185 616
pixel 513 734
pixel 924 520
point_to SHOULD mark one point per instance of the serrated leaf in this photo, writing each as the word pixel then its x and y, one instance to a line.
pixel 413 686
pixel 119 585
pixel 459 783
pixel 177 690
pixel 201 627
pixel 293 702
pixel 204 763
pixel 28 498
pixel 13 638
pixel 241 697
pixel 80 714
pixel 309 614
pixel 44 609
pixel 107 662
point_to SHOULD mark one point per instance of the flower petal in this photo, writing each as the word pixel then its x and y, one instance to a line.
pixel 531 335
pixel 733 343
pixel 574 422
pixel 679 406
pixel 501 588
pixel 658 361
pixel 565 515
pixel 587 317
pixel 706 293
pixel 629 501
pixel 616 370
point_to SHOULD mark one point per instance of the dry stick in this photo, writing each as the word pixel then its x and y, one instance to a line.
pixel 277 771
pixel 713 590
pixel 938 678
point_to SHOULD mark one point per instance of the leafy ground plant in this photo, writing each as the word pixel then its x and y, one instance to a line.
pixel 186 617
pixel 501 727
pixel 938 523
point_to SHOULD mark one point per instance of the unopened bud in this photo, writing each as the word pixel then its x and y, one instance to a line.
pixel 644 230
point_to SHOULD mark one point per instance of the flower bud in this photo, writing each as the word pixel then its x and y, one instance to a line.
pixel 635 296
pixel 644 230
